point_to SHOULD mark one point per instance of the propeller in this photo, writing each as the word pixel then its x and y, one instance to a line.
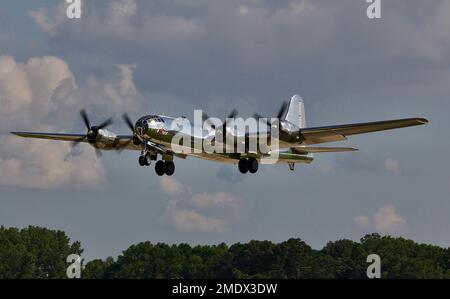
pixel 136 140
pixel 92 131
pixel 280 114
pixel 128 121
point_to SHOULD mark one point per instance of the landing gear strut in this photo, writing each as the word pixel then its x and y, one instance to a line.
pixel 146 158
pixel 248 165
pixel 164 168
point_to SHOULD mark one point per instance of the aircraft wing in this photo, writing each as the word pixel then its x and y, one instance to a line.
pixel 121 141
pixel 51 136
pixel 340 132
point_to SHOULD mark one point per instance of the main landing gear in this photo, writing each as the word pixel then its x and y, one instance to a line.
pixel 248 165
pixel 161 167
pixel 165 168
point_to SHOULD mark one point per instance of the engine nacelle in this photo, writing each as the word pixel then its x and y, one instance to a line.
pixel 105 140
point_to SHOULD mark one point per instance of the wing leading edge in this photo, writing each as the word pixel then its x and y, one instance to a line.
pixel 339 132
pixel 51 136
pixel 118 142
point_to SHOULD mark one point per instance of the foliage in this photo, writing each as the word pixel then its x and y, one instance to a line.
pixel 41 253
pixel 34 253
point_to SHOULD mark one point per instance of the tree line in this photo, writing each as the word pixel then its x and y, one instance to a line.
pixel 40 253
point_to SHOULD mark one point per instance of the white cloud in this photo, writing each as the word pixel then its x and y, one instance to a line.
pixel 204 212
pixel 115 93
pixel 32 95
pixel 205 200
pixel 384 220
pixel 243 10
pixel 172 187
pixel 46 165
pixel 30 86
pixel 391 165
pixel 192 221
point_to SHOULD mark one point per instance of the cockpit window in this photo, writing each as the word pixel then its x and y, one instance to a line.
pixel 156 119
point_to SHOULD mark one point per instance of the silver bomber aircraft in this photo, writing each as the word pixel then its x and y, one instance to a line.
pixel 153 136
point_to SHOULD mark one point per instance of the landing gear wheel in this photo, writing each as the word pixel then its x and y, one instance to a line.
pixel 142 161
pixel 160 168
pixel 252 165
pixel 147 160
pixel 169 168
pixel 243 166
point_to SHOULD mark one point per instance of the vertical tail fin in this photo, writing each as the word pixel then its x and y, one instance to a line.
pixel 296 112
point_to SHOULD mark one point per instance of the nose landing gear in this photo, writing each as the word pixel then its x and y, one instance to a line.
pixel 248 165
pixel 145 160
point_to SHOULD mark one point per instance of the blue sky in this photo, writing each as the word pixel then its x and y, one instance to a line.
pixel 176 56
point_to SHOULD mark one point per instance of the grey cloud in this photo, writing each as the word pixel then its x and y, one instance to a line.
pixel 272 51
pixel 229 174
pixel 372 162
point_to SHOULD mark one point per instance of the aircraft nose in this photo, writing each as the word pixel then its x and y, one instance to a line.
pixel 141 127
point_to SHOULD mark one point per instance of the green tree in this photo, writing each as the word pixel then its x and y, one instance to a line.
pixel 35 252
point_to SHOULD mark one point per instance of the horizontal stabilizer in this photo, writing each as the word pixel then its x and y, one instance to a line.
pixel 308 150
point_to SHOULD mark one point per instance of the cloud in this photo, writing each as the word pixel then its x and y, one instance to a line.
pixel 202 212
pixel 229 174
pixel 215 44
pixel 207 200
pixel 362 221
pixel 50 18
pixel 384 220
pixel 391 165
pixel 30 86
pixel 109 93
pixel 185 220
pixel 365 162
pixel 3 39
pixel 172 187
pixel 46 165
pixel 42 95
pixel 324 167
pixel 123 9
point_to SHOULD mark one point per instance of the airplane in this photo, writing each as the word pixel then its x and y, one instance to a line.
pixel 153 136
